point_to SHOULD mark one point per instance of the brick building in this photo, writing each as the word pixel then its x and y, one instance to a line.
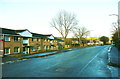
pixel 24 41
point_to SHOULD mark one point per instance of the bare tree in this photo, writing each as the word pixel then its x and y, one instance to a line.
pixel 115 27
pixel 64 23
pixel 80 32
pixel 115 37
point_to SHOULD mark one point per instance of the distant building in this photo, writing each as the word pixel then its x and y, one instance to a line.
pixel 75 42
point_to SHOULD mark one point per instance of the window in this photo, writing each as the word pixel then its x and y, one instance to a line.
pixel 39 48
pixel 7 38
pixel 7 51
pixel 51 41
pixel 45 40
pixel 33 39
pixel 45 47
pixel 48 47
pixel 16 38
pixel 33 49
pixel 25 41
pixel 16 49
pixel 39 39
pixel 48 40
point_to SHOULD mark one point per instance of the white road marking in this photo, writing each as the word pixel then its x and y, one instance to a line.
pixel 109 54
pixel 2 63
pixel 90 62
pixel 109 49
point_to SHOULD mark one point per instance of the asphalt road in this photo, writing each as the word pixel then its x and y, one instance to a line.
pixel 85 62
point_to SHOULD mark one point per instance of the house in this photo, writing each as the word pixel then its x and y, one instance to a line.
pixel 75 42
pixel 60 43
pixel 50 42
pixel 24 41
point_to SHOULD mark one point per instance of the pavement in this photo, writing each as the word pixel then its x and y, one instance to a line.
pixel 114 61
pixel 10 59
pixel 114 56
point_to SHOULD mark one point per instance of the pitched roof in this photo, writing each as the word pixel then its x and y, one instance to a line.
pixel 15 32
pixel 38 35
pixel 8 31
pixel 60 40
pixel 18 31
pixel 47 35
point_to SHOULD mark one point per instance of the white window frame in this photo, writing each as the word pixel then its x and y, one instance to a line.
pixel 17 49
pixel 45 40
pixel 34 39
pixel 8 52
pixel 39 48
pixel 33 48
pixel 8 39
pixel 39 39
pixel 48 40
pixel 17 39
pixel 51 41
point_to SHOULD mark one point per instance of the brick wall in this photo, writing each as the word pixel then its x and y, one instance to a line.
pixel 11 44
pixel 36 43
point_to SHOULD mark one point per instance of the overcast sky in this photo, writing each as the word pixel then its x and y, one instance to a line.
pixel 36 15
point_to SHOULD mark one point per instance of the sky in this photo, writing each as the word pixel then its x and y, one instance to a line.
pixel 36 15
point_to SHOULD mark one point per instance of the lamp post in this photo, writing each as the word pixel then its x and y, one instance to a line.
pixel 117 22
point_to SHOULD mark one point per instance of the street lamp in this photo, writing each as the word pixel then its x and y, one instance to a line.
pixel 117 22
